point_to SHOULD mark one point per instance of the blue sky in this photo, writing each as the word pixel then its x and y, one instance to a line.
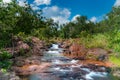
pixel 63 11
pixel 89 8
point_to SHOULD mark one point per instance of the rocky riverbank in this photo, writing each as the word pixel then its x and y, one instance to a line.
pixel 27 56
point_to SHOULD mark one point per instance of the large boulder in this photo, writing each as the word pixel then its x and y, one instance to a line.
pixel 65 44
pixel 77 51
pixel 38 46
pixel 20 61
pixel 97 54
pixel 20 47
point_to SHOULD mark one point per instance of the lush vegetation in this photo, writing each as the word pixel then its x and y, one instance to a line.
pixel 25 22
pixel 5 62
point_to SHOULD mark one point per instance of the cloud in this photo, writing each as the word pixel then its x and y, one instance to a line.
pixel 34 7
pixel 36 4
pixel 42 2
pixel 117 3
pixel 7 1
pixel 60 15
pixel 60 19
pixel 74 18
pixel 22 3
pixel 93 19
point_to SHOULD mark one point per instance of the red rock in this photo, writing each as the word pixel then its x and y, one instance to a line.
pixel 35 39
pixel 22 45
pixel 77 51
pixel 97 53
pixel 31 69
pixel 38 46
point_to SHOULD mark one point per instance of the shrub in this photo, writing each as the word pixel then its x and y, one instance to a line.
pixel 114 39
pixel 115 60
pixel 97 40
pixel 4 59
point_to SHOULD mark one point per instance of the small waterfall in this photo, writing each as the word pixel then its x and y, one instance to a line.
pixel 53 53
pixel 55 46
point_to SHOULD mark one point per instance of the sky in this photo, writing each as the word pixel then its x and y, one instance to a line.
pixel 64 11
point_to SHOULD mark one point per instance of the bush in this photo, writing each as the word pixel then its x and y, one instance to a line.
pixel 4 59
pixel 114 39
pixel 4 55
pixel 97 40
pixel 115 60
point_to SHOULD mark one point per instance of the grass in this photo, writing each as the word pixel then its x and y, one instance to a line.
pixel 115 60
pixel 98 40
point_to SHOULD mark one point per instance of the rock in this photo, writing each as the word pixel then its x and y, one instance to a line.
pixel 9 76
pixel 38 46
pixel 65 44
pixel 22 45
pixel 35 40
pixel 20 61
pixel 34 46
pixel 97 54
pixel 44 76
pixel 31 69
pixel 19 48
pixel 116 73
pixel 77 51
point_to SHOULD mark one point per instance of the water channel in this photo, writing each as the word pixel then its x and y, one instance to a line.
pixel 64 68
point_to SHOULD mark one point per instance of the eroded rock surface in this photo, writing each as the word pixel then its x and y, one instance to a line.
pixel 9 76
pixel 31 69
pixel 97 54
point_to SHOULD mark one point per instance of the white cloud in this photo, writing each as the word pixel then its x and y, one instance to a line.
pixel 41 2
pixel 60 15
pixel 22 3
pixel 7 1
pixel 93 19
pixel 60 19
pixel 74 18
pixel 34 7
pixel 117 3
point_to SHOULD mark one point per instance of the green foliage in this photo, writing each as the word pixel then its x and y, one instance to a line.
pixel 97 40
pixel 114 39
pixel 49 31
pixel 115 60
pixel 3 70
pixel 24 37
pixel 4 59
pixel 4 55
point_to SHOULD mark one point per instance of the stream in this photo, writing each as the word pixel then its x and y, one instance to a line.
pixel 63 68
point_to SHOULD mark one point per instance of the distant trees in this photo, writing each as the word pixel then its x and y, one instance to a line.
pixel 75 28
pixel 82 26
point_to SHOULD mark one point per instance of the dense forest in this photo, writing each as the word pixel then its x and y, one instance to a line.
pixel 24 22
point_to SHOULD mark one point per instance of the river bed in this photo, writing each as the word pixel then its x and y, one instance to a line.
pixel 64 68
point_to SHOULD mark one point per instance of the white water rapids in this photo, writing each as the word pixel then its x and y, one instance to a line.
pixel 73 71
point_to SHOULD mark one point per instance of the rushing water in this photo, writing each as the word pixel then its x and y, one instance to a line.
pixel 63 68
